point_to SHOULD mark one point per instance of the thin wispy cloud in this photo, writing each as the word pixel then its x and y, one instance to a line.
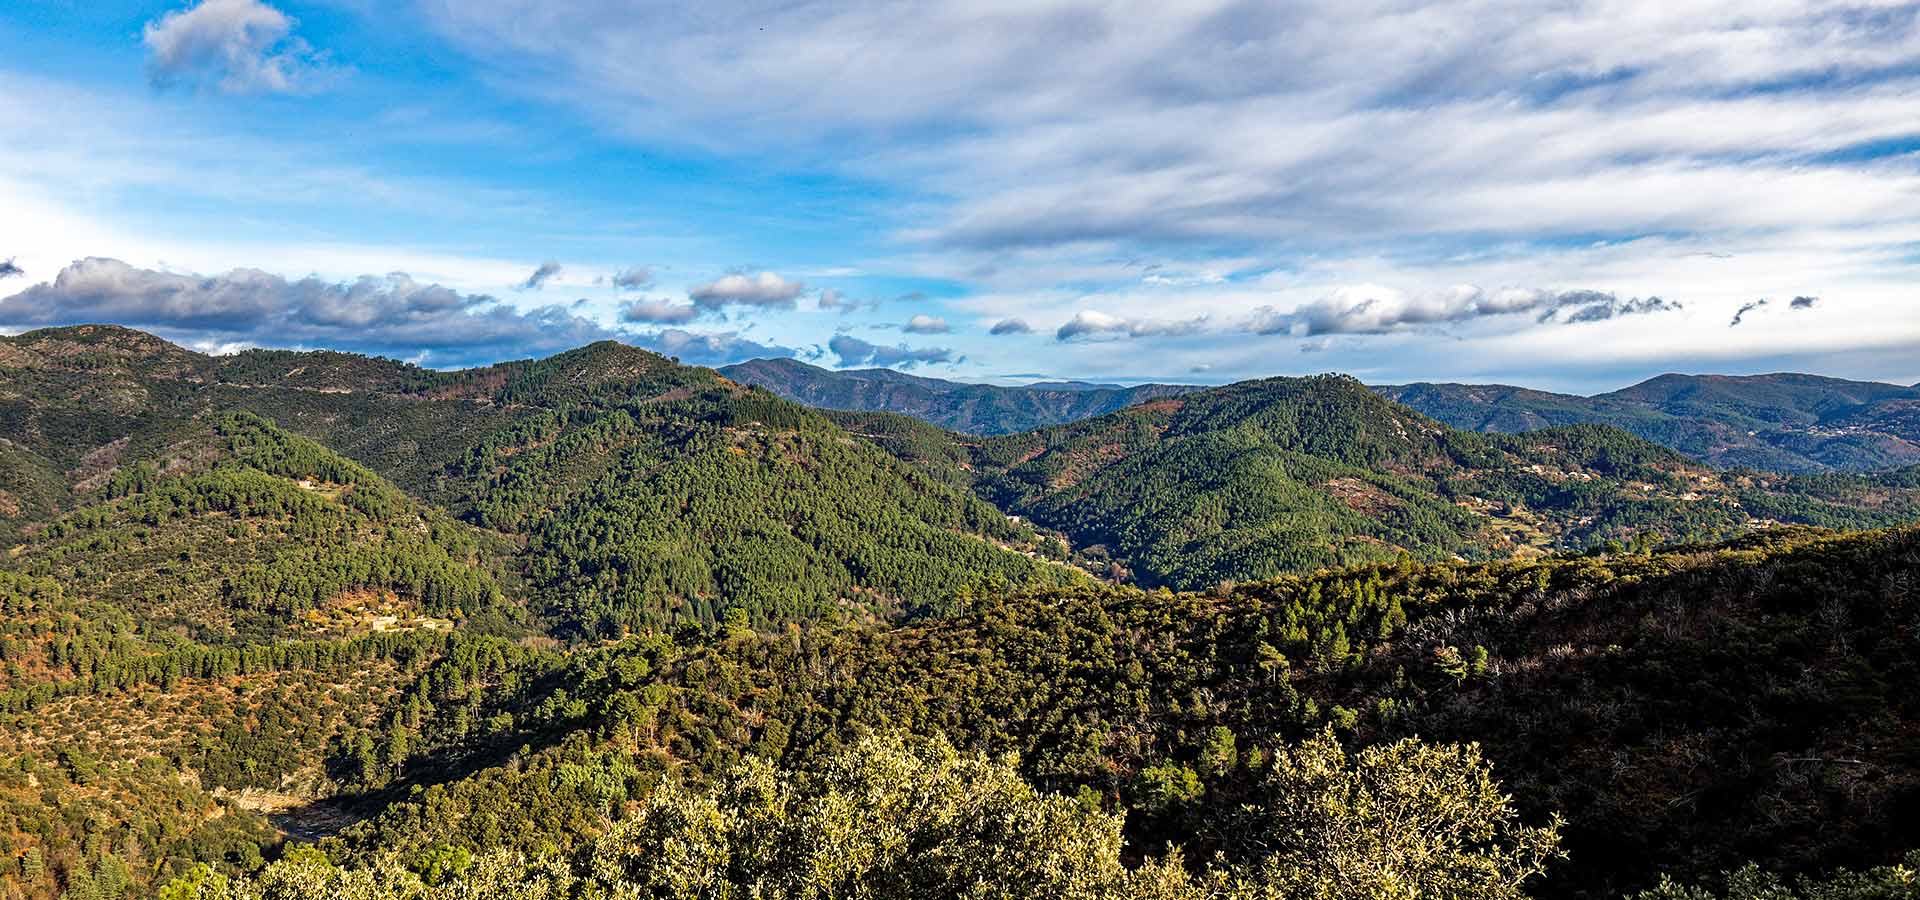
pixel 707 348
pixel 1091 324
pixel 1375 309
pixel 546 270
pixel 633 278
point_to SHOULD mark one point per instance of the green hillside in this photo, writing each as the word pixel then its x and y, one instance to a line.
pixel 1784 423
pixel 632 492
pixel 1684 712
pixel 240 532
pixel 1261 478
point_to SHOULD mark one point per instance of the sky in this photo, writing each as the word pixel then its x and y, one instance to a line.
pixel 1566 195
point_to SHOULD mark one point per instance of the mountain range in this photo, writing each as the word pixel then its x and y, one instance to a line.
pixel 1779 423
pixel 473 624
pixel 968 408
pixel 1783 422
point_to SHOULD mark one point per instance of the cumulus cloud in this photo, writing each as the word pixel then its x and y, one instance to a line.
pixel 707 348
pixel 1091 324
pixel 764 290
pixel 1374 309
pixel 633 278
pixel 853 351
pixel 540 275
pixel 1010 326
pixel 238 46
pixel 659 312
pixel 1741 314
pixel 388 314
pixel 925 324
pixel 1804 302
pixel 9 269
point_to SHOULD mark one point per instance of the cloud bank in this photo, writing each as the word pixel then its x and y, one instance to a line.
pixel 1374 309
pixel 391 314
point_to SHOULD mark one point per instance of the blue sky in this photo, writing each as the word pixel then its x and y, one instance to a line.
pixel 1573 198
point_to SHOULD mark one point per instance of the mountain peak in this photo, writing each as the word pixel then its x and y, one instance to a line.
pixel 99 348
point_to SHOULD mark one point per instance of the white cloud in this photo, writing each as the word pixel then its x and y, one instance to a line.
pixel 391 314
pixel 1092 324
pixel 1373 309
pixel 1088 123
pixel 764 289
pixel 925 324
pixel 239 46
pixel 658 311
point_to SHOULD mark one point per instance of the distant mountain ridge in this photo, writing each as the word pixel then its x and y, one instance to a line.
pixel 1258 478
pixel 1782 422
pixel 648 492
pixel 954 405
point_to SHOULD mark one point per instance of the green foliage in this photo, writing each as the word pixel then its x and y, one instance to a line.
pixel 1579 677
pixel 1399 820
pixel 888 817
pixel 678 511
pixel 1750 882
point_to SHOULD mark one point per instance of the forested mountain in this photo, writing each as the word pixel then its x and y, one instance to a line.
pixel 1778 423
pixel 1784 423
pixel 1683 712
pixel 1260 478
pixel 602 625
pixel 967 408
pixel 632 491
